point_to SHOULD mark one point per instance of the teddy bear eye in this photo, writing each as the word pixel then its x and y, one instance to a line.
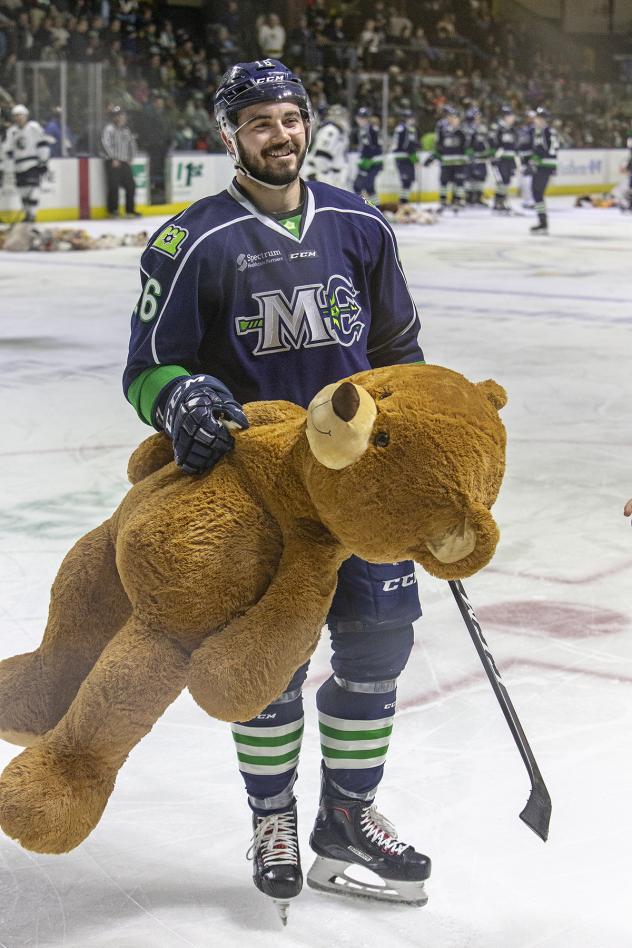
pixel 382 439
pixel 383 395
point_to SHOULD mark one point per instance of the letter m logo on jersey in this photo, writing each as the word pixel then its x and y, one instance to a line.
pixel 315 316
pixel 170 240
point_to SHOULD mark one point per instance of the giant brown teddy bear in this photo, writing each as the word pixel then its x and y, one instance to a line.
pixel 222 583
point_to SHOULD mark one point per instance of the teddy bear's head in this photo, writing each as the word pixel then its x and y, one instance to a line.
pixel 405 463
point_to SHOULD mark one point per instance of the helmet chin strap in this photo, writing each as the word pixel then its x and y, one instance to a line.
pixel 241 168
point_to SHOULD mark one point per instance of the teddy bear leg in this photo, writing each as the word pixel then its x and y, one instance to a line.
pixel 52 795
pixel 88 605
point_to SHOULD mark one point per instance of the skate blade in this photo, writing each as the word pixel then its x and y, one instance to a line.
pixel 330 875
pixel 283 907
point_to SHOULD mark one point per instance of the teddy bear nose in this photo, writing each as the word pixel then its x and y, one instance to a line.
pixel 345 401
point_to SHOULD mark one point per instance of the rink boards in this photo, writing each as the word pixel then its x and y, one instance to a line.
pixel 75 187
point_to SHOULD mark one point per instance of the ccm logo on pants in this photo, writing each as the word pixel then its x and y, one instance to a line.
pixel 391 584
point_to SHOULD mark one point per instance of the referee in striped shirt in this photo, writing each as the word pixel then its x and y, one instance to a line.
pixel 119 146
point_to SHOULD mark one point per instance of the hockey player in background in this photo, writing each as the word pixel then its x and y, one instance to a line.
pixel 627 200
pixel 543 163
pixel 327 159
pixel 451 149
pixel 405 150
pixel 503 146
pixel 370 157
pixel 525 151
pixel 27 150
pixel 478 152
pixel 272 289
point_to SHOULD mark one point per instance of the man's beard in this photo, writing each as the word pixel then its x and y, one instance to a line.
pixel 260 170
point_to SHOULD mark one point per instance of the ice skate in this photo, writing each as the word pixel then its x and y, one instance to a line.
pixel 276 869
pixel 542 227
pixel 350 833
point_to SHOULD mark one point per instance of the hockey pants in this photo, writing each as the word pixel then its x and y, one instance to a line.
pixel 539 184
pixel 503 172
pixel 452 176
pixel 406 171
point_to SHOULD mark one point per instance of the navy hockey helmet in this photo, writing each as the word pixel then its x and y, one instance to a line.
pixel 541 112
pixel 449 110
pixel 472 113
pixel 363 112
pixel 507 110
pixel 265 80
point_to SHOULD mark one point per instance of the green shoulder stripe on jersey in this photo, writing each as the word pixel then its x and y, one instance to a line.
pixel 147 386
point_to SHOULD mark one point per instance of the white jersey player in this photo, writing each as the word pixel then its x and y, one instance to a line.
pixel 26 150
pixel 327 158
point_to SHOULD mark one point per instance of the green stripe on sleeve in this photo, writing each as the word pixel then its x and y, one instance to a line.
pixel 147 386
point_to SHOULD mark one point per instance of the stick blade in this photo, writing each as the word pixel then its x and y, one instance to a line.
pixel 537 812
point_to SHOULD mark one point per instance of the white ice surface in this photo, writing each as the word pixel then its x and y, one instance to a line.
pixel 550 320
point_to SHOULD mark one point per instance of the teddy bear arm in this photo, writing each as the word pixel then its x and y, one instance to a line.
pixel 237 672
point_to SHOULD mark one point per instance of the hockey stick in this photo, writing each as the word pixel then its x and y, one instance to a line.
pixel 537 812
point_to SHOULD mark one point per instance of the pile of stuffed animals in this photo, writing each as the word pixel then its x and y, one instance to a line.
pixel 26 236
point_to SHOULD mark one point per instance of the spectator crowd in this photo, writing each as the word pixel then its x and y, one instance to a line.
pixel 163 70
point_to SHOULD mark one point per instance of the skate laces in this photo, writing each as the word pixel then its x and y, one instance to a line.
pixel 275 838
pixel 380 831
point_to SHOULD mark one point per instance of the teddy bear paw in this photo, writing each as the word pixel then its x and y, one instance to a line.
pixel 50 803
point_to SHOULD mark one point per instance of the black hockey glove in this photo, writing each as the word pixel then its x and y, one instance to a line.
pixel 196 417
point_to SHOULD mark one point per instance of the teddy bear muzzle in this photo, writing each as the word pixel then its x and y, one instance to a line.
pixel 340 420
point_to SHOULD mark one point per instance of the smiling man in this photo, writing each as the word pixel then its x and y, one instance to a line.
pixel 273 289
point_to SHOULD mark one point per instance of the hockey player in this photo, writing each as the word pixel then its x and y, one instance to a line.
pixel 503 146
pixel 327 158
pixel 544 164
pixel 451 145
pixel 272 289
pixel 27 150
pixel 626 204
pixel 405 148
pixel 525 151
pixel 370 157
pixel 478 151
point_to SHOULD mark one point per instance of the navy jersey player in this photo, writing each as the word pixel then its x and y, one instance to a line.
pixel 451 148
pixel 478 151
pixel 544 164
pixel 272 289
pixel 503 143
pixel 370 157
pixel 405 148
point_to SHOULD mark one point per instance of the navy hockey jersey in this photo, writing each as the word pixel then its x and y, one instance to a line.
pixel 405 141
pixel 545 147
pixel 451 144
pixel 477 137
pixel 370 149
pixel 228 291
pixel 503 140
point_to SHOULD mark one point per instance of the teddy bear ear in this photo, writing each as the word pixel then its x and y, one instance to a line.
pixel 494 392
